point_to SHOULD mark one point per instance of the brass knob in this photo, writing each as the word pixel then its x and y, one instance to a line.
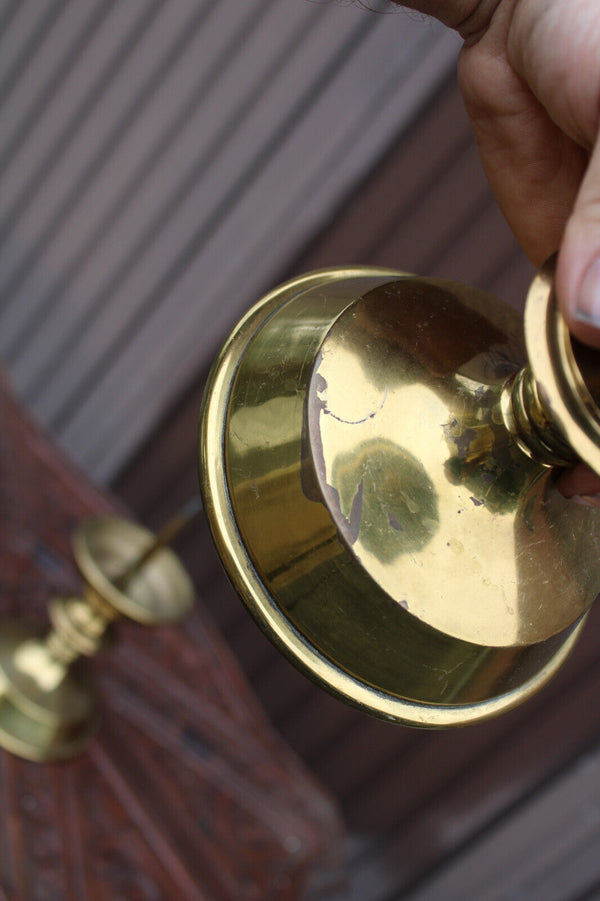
pixel 47 698
pixel 378 463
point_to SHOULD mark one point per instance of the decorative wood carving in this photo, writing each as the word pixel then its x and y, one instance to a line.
pixel 186 792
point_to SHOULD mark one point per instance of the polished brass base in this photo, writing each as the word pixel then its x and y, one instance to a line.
pixel 46 713
pixel 47 698
pixel 378 470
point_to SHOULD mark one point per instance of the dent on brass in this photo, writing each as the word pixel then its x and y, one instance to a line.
pixel 378 464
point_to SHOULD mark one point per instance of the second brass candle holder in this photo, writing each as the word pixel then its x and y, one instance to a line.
pixel 47 697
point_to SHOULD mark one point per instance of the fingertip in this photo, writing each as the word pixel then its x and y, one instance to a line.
pixel 588 332
pixel 585 312
pixel 578 269
pixel 579 482
pixel 578 289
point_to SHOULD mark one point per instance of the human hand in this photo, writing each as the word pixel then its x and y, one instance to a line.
pixel 529 71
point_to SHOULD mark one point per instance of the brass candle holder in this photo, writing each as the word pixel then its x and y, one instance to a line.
pixel 378 459
pixel 47 698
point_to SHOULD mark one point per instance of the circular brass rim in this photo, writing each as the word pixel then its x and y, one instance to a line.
pixel 181 598
pixel 556 372
pixel 244 578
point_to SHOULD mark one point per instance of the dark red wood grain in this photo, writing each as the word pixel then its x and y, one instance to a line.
pixel 186 792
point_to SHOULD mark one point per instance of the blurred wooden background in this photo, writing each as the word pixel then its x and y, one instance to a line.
pixel 161 162
pixel 165 163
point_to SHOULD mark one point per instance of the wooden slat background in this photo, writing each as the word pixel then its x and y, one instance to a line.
pixel 548 848
pixel 162 164
pixel 161 161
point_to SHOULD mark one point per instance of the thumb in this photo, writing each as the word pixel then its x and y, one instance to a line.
pixel 578 269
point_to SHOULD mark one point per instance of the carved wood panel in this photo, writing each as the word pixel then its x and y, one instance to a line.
pixel 186 791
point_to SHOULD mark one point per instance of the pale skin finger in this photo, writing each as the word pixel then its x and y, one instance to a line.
pixel 530 75
pixel 578 273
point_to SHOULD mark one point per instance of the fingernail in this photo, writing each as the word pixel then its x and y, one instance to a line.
pixel 588 302
pixel 586 500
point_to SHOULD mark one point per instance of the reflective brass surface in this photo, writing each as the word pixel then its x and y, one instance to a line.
pixel 47 699
pixel 378 467
pixel 566 372
pixel 160 592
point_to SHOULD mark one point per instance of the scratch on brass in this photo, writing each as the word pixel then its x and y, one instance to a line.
pixel 370 415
